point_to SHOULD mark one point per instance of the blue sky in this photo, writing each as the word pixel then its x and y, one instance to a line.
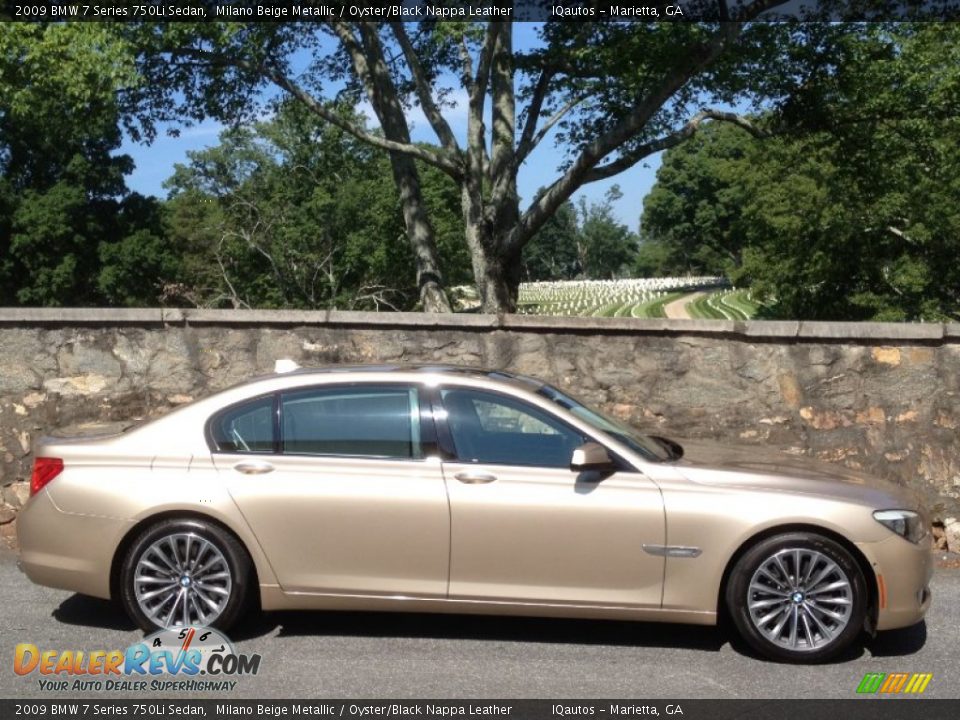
pixel 155 162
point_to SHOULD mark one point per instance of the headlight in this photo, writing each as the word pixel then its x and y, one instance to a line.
pixel 905 523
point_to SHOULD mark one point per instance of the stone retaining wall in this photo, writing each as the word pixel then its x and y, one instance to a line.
pixel 881 397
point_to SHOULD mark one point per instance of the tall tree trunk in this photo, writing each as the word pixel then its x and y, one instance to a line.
pixel 497 271
pixel 420 233
pixel 491 202
pixel 498 282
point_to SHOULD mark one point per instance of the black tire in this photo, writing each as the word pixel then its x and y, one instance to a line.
pixel 235 587
pixel 804 606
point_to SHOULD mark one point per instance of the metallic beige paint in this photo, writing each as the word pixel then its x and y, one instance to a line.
pixel 538 535
pixel 355 533
pixel 348 525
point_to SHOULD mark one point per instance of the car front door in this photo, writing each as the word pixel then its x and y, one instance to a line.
pixel 525 528
pixel 341 495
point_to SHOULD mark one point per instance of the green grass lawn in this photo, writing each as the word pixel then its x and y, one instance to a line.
pixel 654 308
pixel 724 305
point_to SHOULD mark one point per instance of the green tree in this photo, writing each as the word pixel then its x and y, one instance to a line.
pixel 841 214
pixel 605 246
pixel 650 87
pixel 64 207
pixel 655 259
pixel 836 234
pixel 691 217
pixel 292 213
pixel 582 241
pixel 552 253
pixel 134 269
pixel 610 94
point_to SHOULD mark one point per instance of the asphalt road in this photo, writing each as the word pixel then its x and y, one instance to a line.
pixel 363 655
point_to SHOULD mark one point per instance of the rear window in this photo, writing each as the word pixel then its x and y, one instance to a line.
pixel 245 428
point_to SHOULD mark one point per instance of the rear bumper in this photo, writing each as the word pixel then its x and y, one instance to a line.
pixel 69 551
pixel 903 572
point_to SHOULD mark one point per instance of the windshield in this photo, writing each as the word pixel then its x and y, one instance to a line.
pixel 636 441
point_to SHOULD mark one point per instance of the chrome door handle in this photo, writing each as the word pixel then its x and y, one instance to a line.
pixel 475 478
pixel 253 468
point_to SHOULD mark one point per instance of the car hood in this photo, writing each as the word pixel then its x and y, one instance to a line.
pixel 763 468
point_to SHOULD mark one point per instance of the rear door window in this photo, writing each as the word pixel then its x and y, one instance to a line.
pixel 369 421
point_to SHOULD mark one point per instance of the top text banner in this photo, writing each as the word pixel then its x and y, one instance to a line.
pixel 481 10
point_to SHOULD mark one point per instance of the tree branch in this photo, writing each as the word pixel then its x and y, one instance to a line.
pixel 476 87
pixel 360 66
pixel 528 147
pixel 477 158
pixel 420 153
pixel 424 92
pixel 534 108
pixel 280 79
pixel 466 66
pixel 486 58
pixel 897 232
pixel 501 176
pixel 628 160
pixel 628 127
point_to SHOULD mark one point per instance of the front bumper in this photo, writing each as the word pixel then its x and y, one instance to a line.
pixel 69 551
pixel 903 571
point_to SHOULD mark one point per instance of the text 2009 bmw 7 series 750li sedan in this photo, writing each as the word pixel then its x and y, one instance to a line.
pixel 455 490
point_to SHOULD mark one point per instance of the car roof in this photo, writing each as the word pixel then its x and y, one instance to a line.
pixel 426 368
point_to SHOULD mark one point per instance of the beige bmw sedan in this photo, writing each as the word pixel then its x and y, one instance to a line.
pixel 446 489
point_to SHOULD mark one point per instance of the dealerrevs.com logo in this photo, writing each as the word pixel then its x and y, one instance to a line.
pixel 182 659
pixel 894 683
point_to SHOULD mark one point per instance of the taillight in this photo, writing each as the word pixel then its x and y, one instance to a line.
pixel 44 470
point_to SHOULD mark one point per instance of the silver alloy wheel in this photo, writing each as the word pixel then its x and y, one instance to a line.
pixel 182 579
pixel 800 599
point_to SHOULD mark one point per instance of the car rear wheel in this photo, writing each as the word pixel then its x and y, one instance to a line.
pixel 185 572
pixel 798 597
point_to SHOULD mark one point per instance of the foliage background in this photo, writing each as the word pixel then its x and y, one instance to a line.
pixel 848 208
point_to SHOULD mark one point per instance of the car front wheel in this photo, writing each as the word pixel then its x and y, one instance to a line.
pixel 798 597
pixel 185 572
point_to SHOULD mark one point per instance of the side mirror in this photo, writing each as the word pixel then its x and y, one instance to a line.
pixel 591 456
pixel 673 448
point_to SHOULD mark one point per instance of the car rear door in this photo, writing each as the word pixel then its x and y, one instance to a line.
pixel 341 496
pixel 525 528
